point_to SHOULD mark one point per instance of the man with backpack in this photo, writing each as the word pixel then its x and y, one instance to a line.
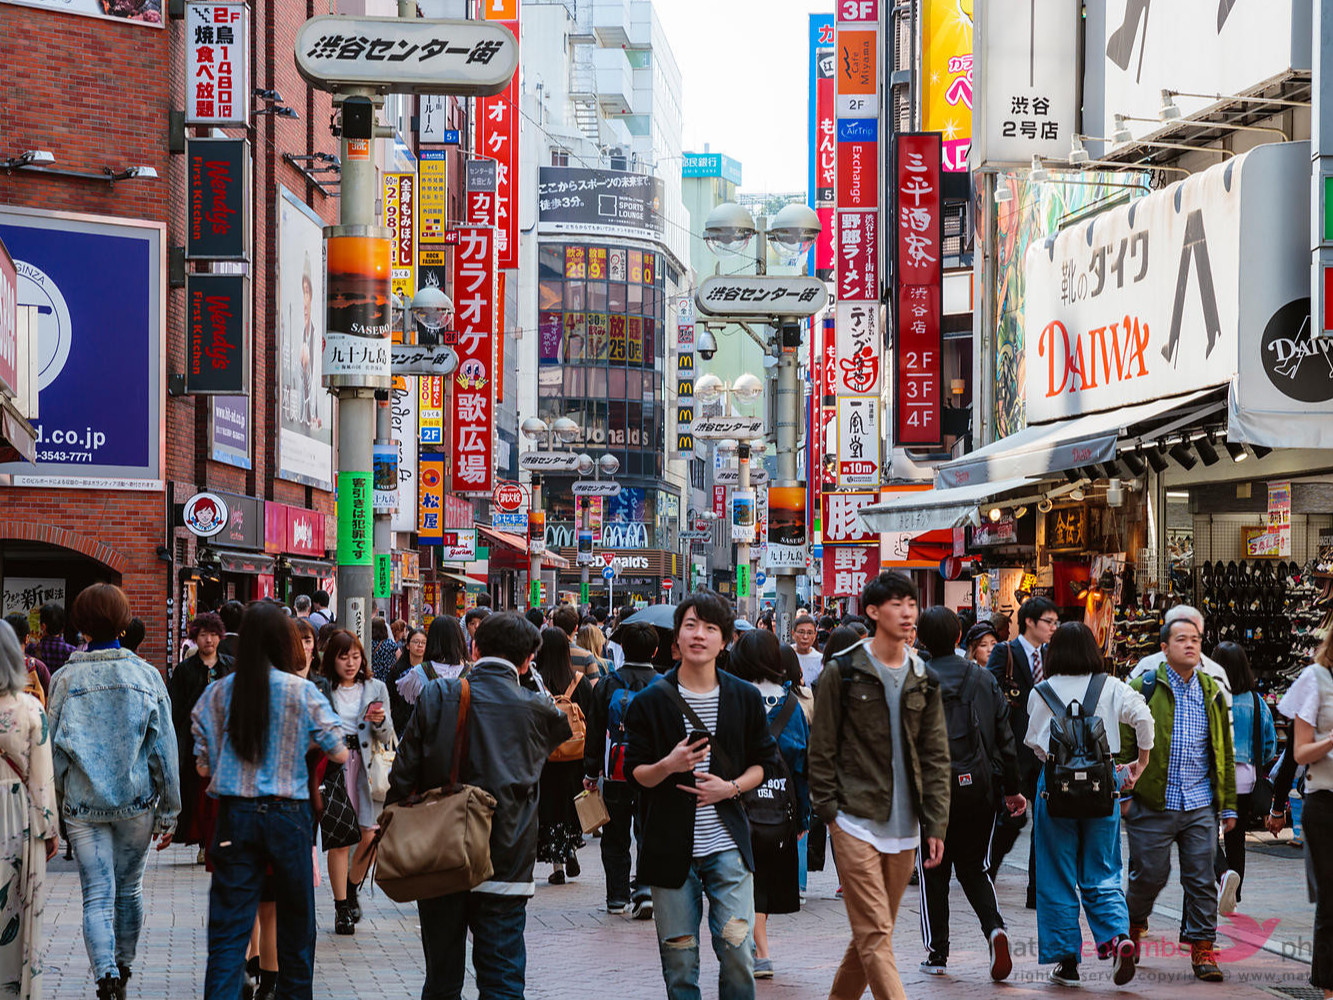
pixel 983 762
pixel 1181 795
pixel 604 757
pixel 879 778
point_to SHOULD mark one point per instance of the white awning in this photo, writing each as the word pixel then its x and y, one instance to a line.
pixel 930 510
pixel 1062 444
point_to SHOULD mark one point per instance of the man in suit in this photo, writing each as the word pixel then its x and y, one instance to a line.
pixel 1017 665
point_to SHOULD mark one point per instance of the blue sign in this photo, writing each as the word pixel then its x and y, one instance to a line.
pixel 711 165
pixel 608 573
pixel 97 287
pixel 509 519
pixel 452 137
pixel 761 578
pixel 858 130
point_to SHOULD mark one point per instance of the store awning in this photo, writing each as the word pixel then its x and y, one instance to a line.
pixel 933 510
pixel 518 543
pixel 316 568
pixel 1063 444
pixel 250 564
pixel 932 546
pixel 459 578
pixel 18 440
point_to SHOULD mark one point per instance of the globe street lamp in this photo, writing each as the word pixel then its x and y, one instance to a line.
pixel 536 430
pixel 746 389
pixel 608 465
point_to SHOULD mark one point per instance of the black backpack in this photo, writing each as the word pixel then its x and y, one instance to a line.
pixel 1080 775
pixel 969 760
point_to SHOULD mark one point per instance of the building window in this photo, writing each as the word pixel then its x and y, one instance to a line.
pixel 559 157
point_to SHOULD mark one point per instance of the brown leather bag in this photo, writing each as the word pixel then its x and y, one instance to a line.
pixel 439 842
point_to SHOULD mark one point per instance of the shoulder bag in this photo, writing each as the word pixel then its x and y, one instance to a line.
pixel 1261 796
pixel 439 842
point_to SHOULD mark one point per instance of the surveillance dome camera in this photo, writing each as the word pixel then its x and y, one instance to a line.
pixel 705 343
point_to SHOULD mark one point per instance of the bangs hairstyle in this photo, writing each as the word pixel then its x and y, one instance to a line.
pixel 757 656
pixel 340 642
pixel 303 629
pixel 708 606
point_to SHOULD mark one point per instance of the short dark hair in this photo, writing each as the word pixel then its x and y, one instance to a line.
pixel 19 623
pixel 1165 634
pixel 757 656
pixel 379 629
pixel 535 618
pixel 320 598
pixel 841 638
pixel 804 619
pixel 1032 610
pixel 599 613
pixel 1237 665
pixel 475 614
pixel 938 629
pixel 231 613
pixel 508 635
pixel 483 600
pixel 708 606
pixel 566 617
pixel 1074 650
pixel 134 635
pixel 51 616
pixel 888 586
pixel 638 640
pixel 101 612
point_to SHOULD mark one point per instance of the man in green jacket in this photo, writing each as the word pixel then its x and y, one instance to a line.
pixel 1188 785
pixel 879 778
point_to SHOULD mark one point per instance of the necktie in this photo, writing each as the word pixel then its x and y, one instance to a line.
pixel 1036 666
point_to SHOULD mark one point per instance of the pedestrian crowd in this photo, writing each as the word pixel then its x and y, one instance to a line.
pixel 716 765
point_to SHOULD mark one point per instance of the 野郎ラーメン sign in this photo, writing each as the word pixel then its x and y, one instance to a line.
pixel 217 64
pixel 355 517
pixel 359 313
pixel 848 568
pixel 217 334
pixel 857 247
pixel 218 211
pixel 472 423
pixel 496 135
pixel 918 279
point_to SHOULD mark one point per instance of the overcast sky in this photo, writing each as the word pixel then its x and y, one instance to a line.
pixel 746 76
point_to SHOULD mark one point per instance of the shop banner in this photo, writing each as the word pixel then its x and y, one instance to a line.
pixel 229 431
pixel 355 542
pixel 1144 301
pixel 459 545
pixel 385 476
pixel 245 522
pixel 430 390
pixel 858 163
pixel 841 523
pixel 217 63
pixel 472 413
pixel 359 316
pixel 497 136
pixel 482 184
pixel 858 354
pixel 293 530
pixel 432 195
pixel 383 575
pixel 403 424
pixel 430 500
pixel 400 202
pixel 742 515
pixel 685 378
pixel 822 138
pixel 946 78
pixel 217 334
pixel 9 330
pixel 858 71
pixel 858 255
pixel 848 568
pixel 720 501
pixel 305 430
pixel 858 440
pixel 1027 80
pixel 457 512
pixel 918 283
pixel 218 195
pixel 97 286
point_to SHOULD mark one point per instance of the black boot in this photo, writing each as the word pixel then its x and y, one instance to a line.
pixel 250 981
pixel 352 903
pixel 124 978
pixel 109 988
pixel 342 920
pixel 268 985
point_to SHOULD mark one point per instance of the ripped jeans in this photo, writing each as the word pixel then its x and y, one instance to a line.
pixel 677 913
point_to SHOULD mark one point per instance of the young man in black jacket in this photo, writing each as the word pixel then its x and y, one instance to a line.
pixel 604 757
pixel 698 739
pixel 511 732
pixel 977 715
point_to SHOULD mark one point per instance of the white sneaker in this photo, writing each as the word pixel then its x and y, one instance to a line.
pixel 1228 887
pixel 1001 963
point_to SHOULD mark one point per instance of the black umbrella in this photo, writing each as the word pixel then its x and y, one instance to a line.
pixel 658 615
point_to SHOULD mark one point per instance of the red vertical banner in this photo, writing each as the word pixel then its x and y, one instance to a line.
pixel 472 406
pixel 497 138
pixel 918 411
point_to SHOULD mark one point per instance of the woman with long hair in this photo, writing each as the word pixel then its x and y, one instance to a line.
pixel 109 705
pixel 559 832
pixel 758 657
pixel 188 681
pixel 384 649
pixel 1309 704
pixel 1080 858
pixel 361 704
pixel 251 730
pixel 27 822
pixel 412 656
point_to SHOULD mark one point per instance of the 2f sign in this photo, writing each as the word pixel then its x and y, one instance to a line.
pixel 858 10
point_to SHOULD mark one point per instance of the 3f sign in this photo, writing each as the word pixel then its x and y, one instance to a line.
pixel 858 10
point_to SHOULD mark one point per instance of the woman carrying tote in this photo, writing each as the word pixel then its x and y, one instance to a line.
pixel 559 832
pixel 361 704
pixel 114 752
pixel 251 731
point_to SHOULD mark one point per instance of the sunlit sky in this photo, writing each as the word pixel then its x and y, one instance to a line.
pixel 745 65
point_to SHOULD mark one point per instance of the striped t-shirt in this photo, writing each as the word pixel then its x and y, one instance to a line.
pixel 710 836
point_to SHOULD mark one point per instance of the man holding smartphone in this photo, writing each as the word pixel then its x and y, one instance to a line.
pixel 698 739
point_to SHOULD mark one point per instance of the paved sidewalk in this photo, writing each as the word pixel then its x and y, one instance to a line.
pixel 577 952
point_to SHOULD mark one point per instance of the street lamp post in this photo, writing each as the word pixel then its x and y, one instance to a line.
pixel 536 430
pixel 609 465
pixel 695 517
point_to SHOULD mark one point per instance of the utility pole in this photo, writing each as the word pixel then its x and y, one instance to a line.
pixel 788 411
pixel 743 548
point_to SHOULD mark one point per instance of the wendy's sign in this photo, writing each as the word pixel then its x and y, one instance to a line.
pixel 218 213
pixel 217 318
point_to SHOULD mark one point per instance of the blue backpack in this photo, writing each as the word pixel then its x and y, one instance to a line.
pixel 616 737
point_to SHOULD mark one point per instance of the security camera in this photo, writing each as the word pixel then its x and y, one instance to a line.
pixel 705 343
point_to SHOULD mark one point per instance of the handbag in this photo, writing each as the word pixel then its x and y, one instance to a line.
pixel 1261 796
pixel 337 824
pixel 439 842
pixel 381 763
pixel 592 811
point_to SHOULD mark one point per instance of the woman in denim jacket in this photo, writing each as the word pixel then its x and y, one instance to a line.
pixel 114 750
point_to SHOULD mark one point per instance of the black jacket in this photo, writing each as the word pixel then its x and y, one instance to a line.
pixel 511 733
pixel 655 725
pixel 992 711
pixel 187 684
pixel 998 665
pixel 635 677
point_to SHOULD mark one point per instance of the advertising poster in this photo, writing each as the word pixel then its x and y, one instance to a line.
pixel 359 317
pixel 25 595
pixel 400 198
pixel 355 544
pixel 142 12
pixel 946 77
pixel 229 431
pixel 97 285
pixel 430 500
pixel 575 199
pixel 305 429
pixel 385 475
pixel 742 515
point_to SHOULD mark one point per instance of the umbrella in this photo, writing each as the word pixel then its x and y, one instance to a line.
pixel 742 625
pixel 659 615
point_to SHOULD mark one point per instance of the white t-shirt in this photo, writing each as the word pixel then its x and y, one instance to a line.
pixel 812 665
pixel 1119 703
pixel 710 836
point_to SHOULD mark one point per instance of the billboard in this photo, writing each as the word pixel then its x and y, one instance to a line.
pixel 472 402
pixel 305 426
pixel 946 78
pixel 575 200
pixel 218 199
pixel 229 430
pixel 98 285
pixel 358 307
pixel 497 135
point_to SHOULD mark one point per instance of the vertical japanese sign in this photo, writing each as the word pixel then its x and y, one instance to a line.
pixel 918 277
pixel 472 423
pixel 433 195
pixel 858 441
pixel 217 64
pixel 497 137
pixel 481 183
pixel 848 568
pixel 400 199
pixel 355 547
pixel 946 78
pixel 403 426
pixel 430 500
pixel 822 138
pixel 431 409
pixel 685 378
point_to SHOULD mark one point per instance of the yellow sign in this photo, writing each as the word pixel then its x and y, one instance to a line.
pixel 946 61
pixel 400 199
pixel 432 195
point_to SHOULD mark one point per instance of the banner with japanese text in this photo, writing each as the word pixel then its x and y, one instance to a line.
pixel 918 278
pixel 497 134
pixel 217 64
pixel 430 500
pixel 400 202
pixel 842 524
pixel 472 402
pixel 822 138
pixel 848 568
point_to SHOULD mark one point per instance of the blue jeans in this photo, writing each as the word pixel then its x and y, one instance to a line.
pixel 499 954
pixel 677 913
pixel 111 859
pixel 251 836
pixel 1077 858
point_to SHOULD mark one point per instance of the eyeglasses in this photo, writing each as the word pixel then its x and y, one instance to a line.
pixel 1049 621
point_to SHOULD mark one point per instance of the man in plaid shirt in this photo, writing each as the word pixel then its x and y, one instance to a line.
pixel 51 648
